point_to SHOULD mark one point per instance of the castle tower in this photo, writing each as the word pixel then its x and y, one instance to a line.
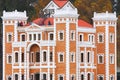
pixel 105 24
pixel 11 21
pixel 65 30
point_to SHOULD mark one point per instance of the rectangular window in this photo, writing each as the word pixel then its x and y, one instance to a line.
pixel 9 37
pixel 30 37
pixel 60 57
pixel 111 38
pixel 51 36
pixel 9 59
pixel 61 35
pixel 37 57
pixel 100 38
pixel 16 57
pixel 100 59
pixel 51 56
pixel 22 37
pixel 44 56
pixel 22 57
pixel 72 57
pixel 72 35
pixel 39 36
pixel 91 37
pixel 111 59
pixel 34 36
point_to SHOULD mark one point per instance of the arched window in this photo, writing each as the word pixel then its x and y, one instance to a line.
pixel 88 76
pixel 9 37
pixel 44 56
pixel 9 59
pixel 9 78
pixel 88 57
pixel 82 77
pixel 16 57
pixel 16 76
pixel 82 57
pixel 51 36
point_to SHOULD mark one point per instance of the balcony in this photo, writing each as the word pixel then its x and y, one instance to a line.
pixel 18 44
pixel 47 43
pixel 86 44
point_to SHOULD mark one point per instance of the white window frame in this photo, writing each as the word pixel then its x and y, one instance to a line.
pixel 89 57
pixel 8 59
pixel 60 75
pixel 9 33
pixel 61 31
pixel 112 76
pixel 72 53
pixel 100 75
pixel 60 53
pixel 102 58
pixel 113 58
pixel 82 37
pixel 31 76
pixel 72 31
pixel 43 56
pixel 111 40
pixel 21 37
pixel 102 34
pixel 83 57
pixel 49 35
pixel 90 38
pixel 14 57
pixel 40 36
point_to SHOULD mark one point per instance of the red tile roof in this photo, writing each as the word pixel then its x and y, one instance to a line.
pixel 82 23
pixel 50 21
pixel 60 3
pixel 44 21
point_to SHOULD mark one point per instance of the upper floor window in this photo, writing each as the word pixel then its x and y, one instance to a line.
pixel 72 77
pixel 9 59
pixel 60 77
pixel 82 76
pixel 39 36
pixel 72 35
pixel 112 59
pixel 16 77
pixel 100 38
pixel 16 57
pixel 111 77
pixel 51 36
pixel 44 56
pixel 60 57
pixel 72 57
pixel 22 57
pixel 61 35
pixel 111 38
pixel 82 57
pixel 91 37
pixel 81 37
pixel 37 57
pixel 51 56
pixel 34 36
pixel 23 37
pixel 9 78
pixel 30 37
pixel 100 77
pixel 88 57
pixel 9 37
pixel 100 59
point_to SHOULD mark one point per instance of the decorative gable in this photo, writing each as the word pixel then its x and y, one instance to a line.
pixel 68 5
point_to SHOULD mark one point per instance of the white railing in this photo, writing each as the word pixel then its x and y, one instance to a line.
pixel 86 44
pixel 19 44
pixel 47 43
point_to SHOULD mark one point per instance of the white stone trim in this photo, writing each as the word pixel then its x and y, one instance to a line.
pixel 113 58
pixel 86 30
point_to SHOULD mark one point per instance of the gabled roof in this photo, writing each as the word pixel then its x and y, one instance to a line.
pixel 60 3
pixel 82 23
